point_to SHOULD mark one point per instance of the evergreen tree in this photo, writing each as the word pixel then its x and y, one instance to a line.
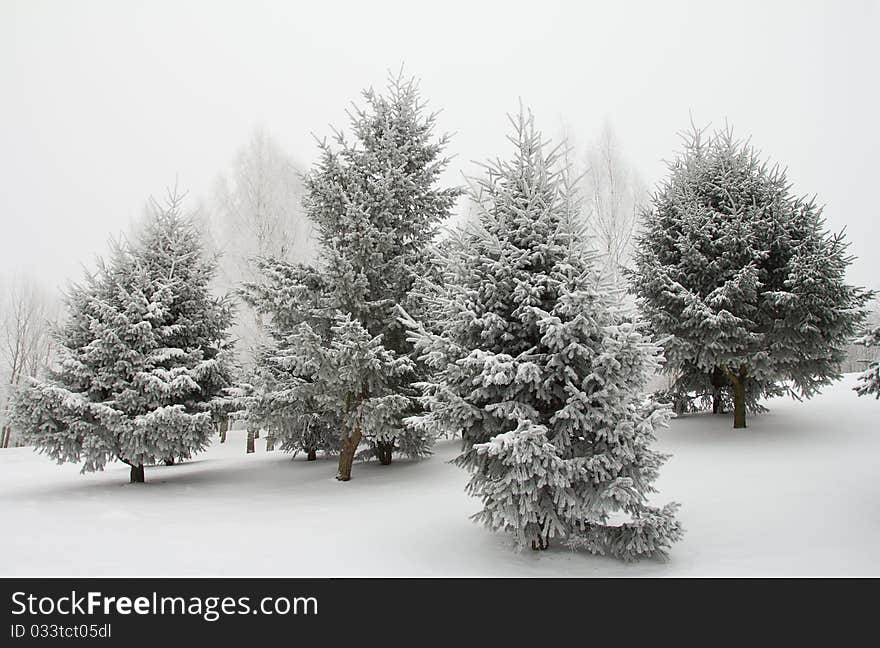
pixel 375 206
pixel 143 361
pixel 539 369
pixel 870 379
pixel 742 275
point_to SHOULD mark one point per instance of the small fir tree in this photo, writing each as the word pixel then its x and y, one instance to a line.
pixel 143 361
pixel 539 369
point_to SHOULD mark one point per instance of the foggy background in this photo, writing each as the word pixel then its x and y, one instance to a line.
pixel 106 103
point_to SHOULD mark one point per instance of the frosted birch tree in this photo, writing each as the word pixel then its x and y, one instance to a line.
pixel 27 313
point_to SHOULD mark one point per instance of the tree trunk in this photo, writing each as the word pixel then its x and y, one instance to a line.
pixel 5 435
pixel 383 452
pixel 739 405
pixel 346 456
pixel 717 386
pixel 312 455
pixel 270 442
pixel 540 544
pixel 739 397
pixel 137 474
pixel 169 461
pixel 250 440
pixel 257 434
pixel 223 426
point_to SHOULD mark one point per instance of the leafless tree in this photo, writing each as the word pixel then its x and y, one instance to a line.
pixel 613 196
pixel 257 211
pixel 859 356
pixel 26 314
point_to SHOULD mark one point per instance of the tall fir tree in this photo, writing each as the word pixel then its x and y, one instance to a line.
pixel 742 276
pixel 375 205
pixel 143 360
pixel 540 370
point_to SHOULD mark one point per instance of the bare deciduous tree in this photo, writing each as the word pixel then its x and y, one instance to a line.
pixel 257 212
pixel 26 313
pixel 858 355
pixel 613 195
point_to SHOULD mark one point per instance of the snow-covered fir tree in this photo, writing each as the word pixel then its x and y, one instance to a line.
pixel 143 362
pixel 742 276
pixel 540 371
pixel 870 379
pixel 376 205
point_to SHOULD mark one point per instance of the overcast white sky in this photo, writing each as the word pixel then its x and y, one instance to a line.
pixel 105 103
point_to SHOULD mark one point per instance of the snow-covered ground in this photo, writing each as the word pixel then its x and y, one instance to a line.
pixel 797 493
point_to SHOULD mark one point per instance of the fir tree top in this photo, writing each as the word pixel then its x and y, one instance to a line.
pixel 375 202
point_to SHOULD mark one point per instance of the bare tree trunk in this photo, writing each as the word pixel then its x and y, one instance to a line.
pixel 717 386
pixel 223 426
pixel 383 452
pixel 270 442
pixel 312 454
pixel 540 544
pixel 346 456
pixel 137 474
pixel 739 405
pixel 257 433
pixel 739 397
pixel 169 461
pixel 5 435
pixel 250 440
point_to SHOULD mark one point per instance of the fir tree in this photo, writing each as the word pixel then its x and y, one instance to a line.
pixel 375 206
pixel 540 371
pixel 143 361
pixel 742 276
pixel 870 379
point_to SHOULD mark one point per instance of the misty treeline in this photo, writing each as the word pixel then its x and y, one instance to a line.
pixel 27 311
pixel 341 312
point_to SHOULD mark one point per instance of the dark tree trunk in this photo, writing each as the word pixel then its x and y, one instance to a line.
pixel 718 382
pixel 383 452
pixel 312 455
pixel 739 397
pixel 739 406
pixel 250 441
pixel 223 426
pixel 169 461
pixel 5 435
pixel 540 544
pixel 346 456
pixel 137 474
pixel 270 443
pixel 256 434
